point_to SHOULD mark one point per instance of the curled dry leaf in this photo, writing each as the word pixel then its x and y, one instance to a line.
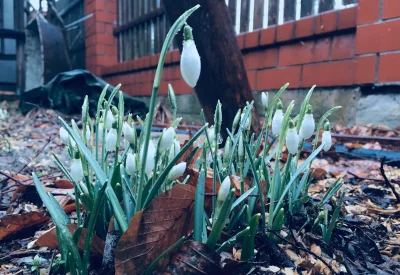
pixel 63 184
pixel 49 239
pixel 154 229
pixel 194 258
pixel 12 224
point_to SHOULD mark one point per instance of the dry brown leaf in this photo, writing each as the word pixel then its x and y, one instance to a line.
pixel 319 173
pixel 14 223
pixel 194 258
pixel 63 184
pixel 316 249
pixel 154 229
pixel 49 239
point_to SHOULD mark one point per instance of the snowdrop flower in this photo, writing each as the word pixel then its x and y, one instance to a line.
pixel 223 193
pixel 241 148
pixel 167 138
pixel 128 133
pixel 246 124
pixel 64 135
pixel 292 139
pixel 3 114
pixel 190 59
pixel 236 120
pixel 264 100
pixel 326 137
pixel 177 171
pixel 211 133
pixel 174 150
pixel 150 161
pixel 111 138
pixel 76 168
pixel 277 119
pixel 130 163
pixel 308 125
pixel 110 119
pixel 88 133
pixel 100 133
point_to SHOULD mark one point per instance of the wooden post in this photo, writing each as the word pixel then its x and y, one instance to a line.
pixel 19 25
pixel 223 75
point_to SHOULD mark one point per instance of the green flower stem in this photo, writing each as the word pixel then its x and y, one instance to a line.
pixel 248 242
pixel 199 208
pixel 157 79
pixel 233 240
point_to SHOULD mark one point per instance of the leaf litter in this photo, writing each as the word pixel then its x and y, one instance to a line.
pixel 367 240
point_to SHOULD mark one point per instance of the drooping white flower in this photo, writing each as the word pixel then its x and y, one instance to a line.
pixel 264 99
pixel 111 140
pixel 88 133
pixel 127 130
pixel 167 139
pixel 292 139
pixel 327 137
pixel 190 59
pixel 76 169
pixel 100 132
pixel 64 135
pixel 130 163
pixel 223 191
pixel 177 171
pixel 246 124
pixel 110 119
pixel 150 160
pixel 174 150
pixel 307 127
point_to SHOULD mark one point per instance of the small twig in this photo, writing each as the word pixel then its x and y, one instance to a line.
pixel 304 249
pixel 387 181
pixel 12 178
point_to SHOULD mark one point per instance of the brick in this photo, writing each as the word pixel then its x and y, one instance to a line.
pixel 96 27
pixel 305 27
pixel 106 39
pixel 305 52
pixel 365 67
pixel 266 58
pixel 380 37
pixel 153 60
pixel 251 39
pixel 343 46
pixel 326 22
pixel 176 56
pixel 111 7
pixel 96 49
pixel 368 11
pixel 388 68
pixel 347 18
pixel 111 50
pixel 102 16
pixel 251 77
pixel 240 40
pixel 268 36
pixel 285 32
pixel 180 87
pixel 168 57
pixel 109 28
pixel 391 9
pixel 276 78
pixel 328 74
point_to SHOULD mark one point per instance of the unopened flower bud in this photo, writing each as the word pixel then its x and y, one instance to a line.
pixel 150 160
pixel 246 124
pixel 190 59
pixel 167 138
pixel 111 140
pixel 131 163
pixel 308 125
pixel 327 137
pixel 277 119
pixel 177 171
pixel 236 120
pixel 129 135
pixel 174 150
pixel 88 133
pixel 292 139
pixel 110 119
pixel 264 100
pixel 76 169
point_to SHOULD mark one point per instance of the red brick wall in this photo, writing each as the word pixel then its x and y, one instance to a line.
pixel 358 45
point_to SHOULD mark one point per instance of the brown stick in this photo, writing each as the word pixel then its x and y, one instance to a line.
pixel 387 181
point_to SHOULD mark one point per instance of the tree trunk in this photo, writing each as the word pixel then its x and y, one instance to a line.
pixel 223 76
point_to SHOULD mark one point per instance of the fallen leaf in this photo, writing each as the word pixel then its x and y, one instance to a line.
pixel 194 258
pixel 319 173
pixel 49 239
pixel 154 229
pixel 63 184
pixel 12 224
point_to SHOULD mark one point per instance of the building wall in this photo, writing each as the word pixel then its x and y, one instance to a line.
pixel 346 49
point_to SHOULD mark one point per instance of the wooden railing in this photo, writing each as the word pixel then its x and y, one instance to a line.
pixel 143 25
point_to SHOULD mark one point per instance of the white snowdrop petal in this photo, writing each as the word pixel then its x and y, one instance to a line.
pixel 327 139
pixel 264 99
pixel 76 170
pixel 111 140
pixel 277 122
pixel 246 125
pixel 167 139
pixel 307 127
pixel 64 135
pixel 127 130
pixel 88 134
pixel 190 63
pixel 223 191
pixel 110 119
pixel 150 160
pixel 292 141
pixel 131 163
pixel 177 171
pixel 174 150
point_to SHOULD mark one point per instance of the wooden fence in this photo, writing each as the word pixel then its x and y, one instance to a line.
pixel 143 25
